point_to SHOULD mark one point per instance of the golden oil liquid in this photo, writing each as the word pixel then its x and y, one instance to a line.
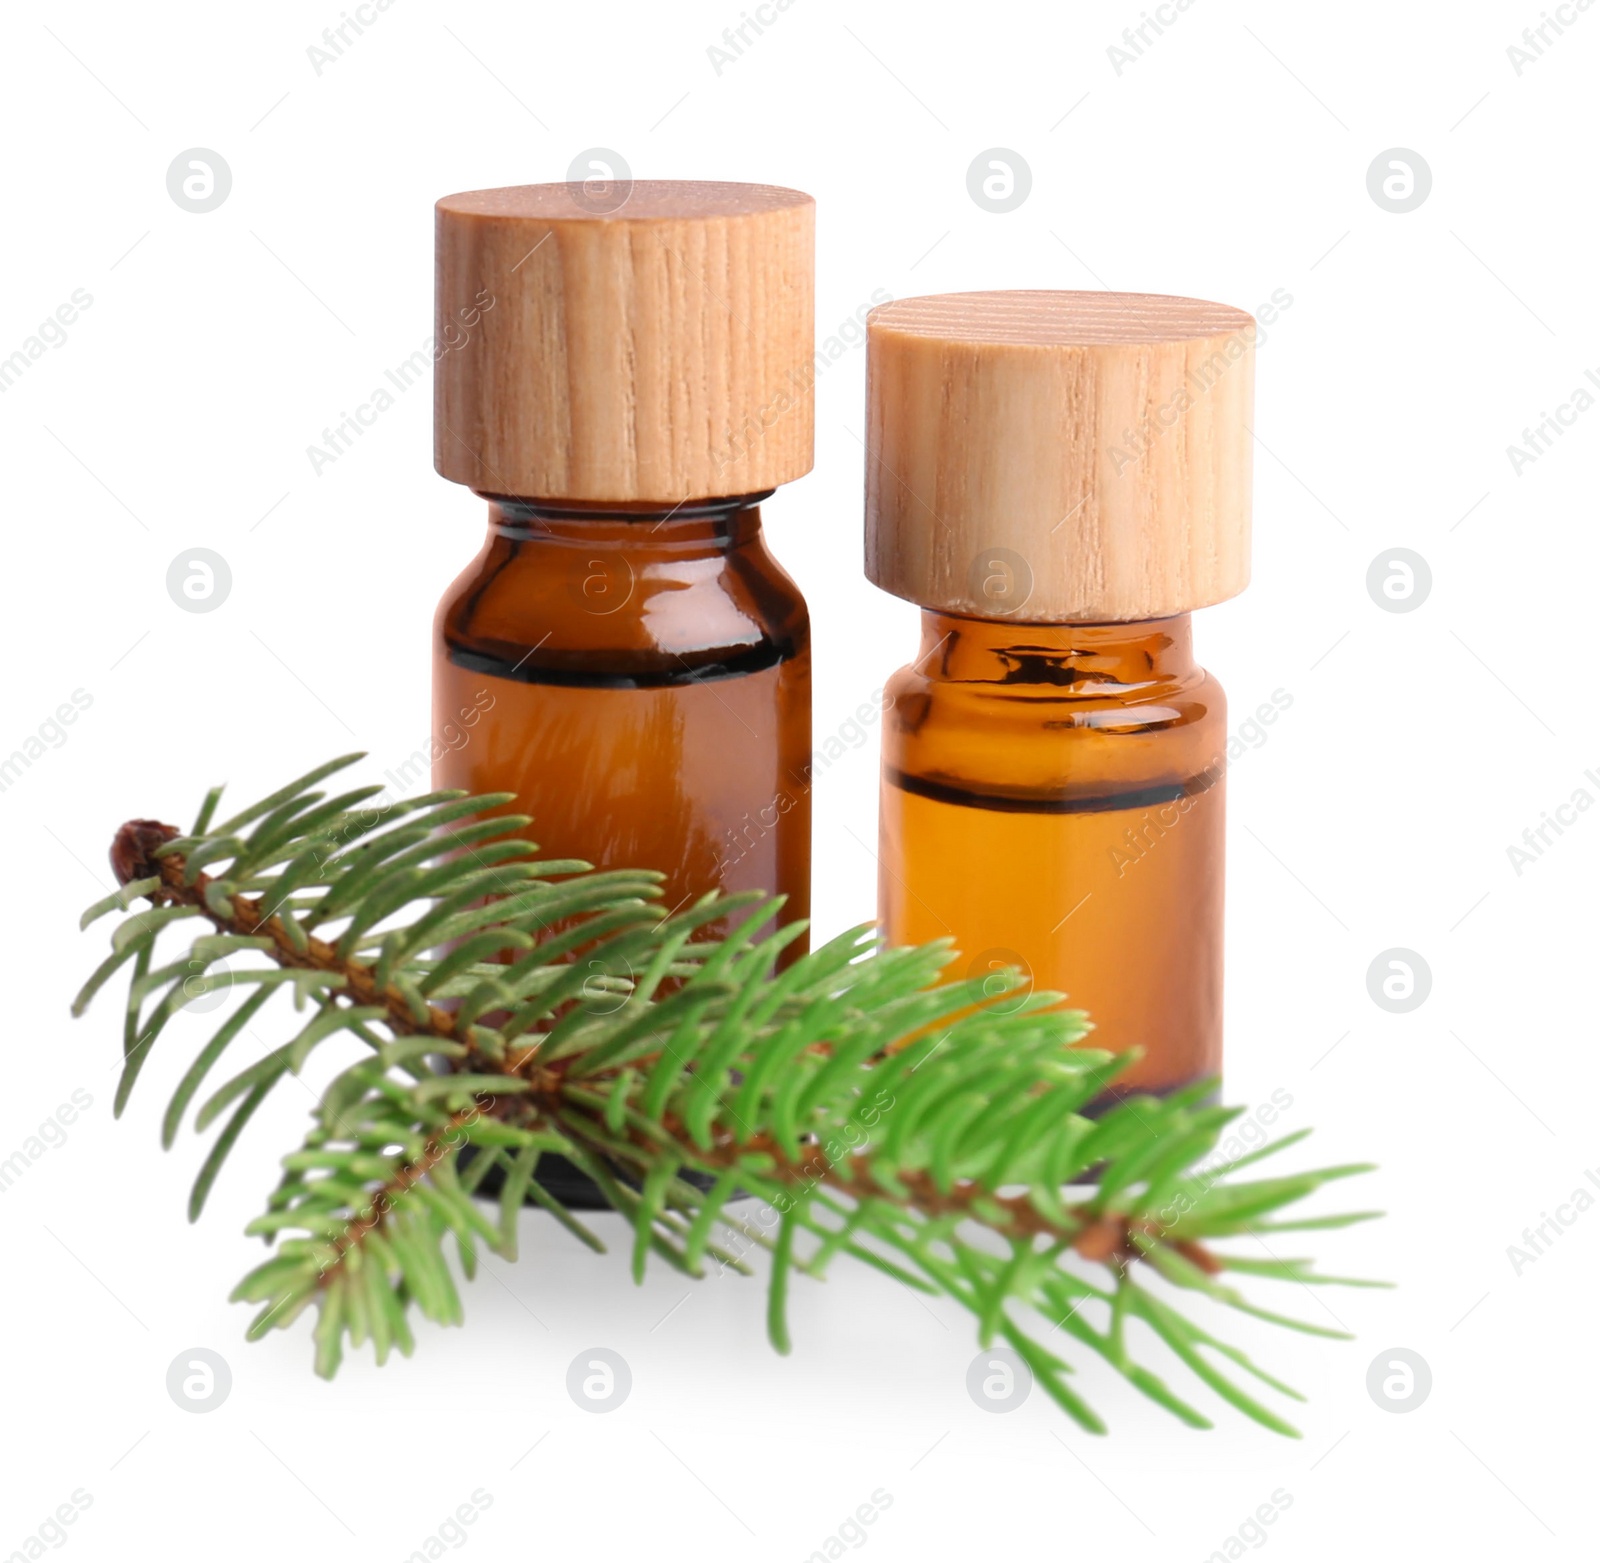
pixel 1117 902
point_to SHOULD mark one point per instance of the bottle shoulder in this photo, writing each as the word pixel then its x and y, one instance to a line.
pixel 1029 733
pixel 627 603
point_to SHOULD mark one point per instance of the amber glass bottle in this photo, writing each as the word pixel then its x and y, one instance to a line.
pixel 1052 796
pixel 1071 478
pixel 625 374
pixel 643 679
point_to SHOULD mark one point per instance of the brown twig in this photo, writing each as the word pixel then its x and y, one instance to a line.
pixel 135 854
pixel 1111 1240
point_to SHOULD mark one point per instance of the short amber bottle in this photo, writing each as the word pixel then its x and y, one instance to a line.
pixel 1070 478
pixel 625 374
pixel 1052 798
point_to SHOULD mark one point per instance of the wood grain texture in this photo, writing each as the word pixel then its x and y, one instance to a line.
pixel 1054 457
pixel 658 352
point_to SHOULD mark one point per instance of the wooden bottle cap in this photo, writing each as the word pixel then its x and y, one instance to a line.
pixel 660 350
pixel 1053 457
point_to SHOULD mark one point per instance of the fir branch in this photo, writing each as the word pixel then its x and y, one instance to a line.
pixel 946 1133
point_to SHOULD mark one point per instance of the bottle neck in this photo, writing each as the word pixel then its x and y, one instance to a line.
pixel 698 526
pixel 1086 659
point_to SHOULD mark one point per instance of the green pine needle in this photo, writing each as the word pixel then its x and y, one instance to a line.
pixel 938 1132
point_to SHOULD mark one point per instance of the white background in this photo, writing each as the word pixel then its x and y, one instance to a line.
pixel 1229 160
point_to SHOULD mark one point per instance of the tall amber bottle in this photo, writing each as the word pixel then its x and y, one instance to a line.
pixel 1059 479
pixel 625 379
